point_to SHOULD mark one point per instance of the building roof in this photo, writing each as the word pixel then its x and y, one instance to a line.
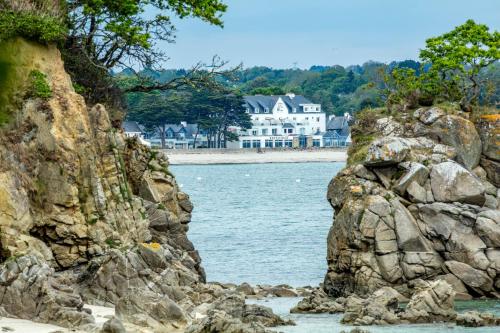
pixel 268 102
pixel 340 125
pixel 131 127
pixel 288 125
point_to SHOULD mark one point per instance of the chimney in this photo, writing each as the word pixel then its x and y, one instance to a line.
pixel 291 95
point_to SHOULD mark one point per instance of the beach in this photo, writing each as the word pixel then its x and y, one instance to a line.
pixel 242 156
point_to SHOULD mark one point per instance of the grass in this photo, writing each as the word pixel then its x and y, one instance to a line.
pixel 39 86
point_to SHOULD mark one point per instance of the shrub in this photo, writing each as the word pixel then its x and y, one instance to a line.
pixel 39 85
pixel 39 28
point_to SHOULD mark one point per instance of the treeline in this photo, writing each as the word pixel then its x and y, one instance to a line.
pixel 338 89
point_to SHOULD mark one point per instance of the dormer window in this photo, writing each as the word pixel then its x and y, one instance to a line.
pixel 266 110
pixel 294 110
pixel 256 110
pixel 247 110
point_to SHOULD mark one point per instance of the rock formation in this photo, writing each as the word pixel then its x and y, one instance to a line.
pixel 422 202
pixel 90 217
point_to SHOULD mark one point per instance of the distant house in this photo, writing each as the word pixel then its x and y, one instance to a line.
pixel 180 136
pixel 337 131
pixel 282 121
pixel 133 130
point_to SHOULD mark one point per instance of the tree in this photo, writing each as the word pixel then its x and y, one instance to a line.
pixel 461 54
pixel 156 110
pixel 108 34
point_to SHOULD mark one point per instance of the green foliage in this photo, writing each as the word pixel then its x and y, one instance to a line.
pixel 43 29
pixel 104 34
pixel 459 56
pixel 39 87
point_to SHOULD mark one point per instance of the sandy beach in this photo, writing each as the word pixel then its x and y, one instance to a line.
pixel 246 156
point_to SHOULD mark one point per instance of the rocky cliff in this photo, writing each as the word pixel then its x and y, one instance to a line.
pixel 418 200
pixel 89 217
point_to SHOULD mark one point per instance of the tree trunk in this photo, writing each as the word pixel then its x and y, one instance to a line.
pixel 162 136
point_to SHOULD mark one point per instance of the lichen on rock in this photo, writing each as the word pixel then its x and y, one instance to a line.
pixel 419 206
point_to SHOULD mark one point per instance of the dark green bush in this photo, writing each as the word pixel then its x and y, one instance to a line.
pixel 43 29
pixel 39 85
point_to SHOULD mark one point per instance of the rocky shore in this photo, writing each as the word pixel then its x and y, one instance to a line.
pixel 417 219
pixel 90 218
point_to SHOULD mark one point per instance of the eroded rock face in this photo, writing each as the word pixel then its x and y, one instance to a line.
pixel 418 207
pixel 87 215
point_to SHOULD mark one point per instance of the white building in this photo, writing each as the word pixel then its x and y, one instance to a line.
pixel 283 121
pixel 133 130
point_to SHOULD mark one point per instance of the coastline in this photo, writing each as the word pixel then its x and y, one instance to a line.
pixel 241 156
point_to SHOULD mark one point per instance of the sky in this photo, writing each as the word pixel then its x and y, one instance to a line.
pixel 302 33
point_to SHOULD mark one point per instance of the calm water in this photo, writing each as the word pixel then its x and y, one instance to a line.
pixel 260 223
pixel 267 224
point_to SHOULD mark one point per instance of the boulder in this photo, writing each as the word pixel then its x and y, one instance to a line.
pixel 492 169
pixel 433 301
pixel 380 308
pixel 221 322
pixel 147 309
pixel 30 290
pixel 451 182
pixel 477 319
pixel 416 193
pixel 113 325
pixel 414 172
pixel 489 130
pixel 234 305
pixel 461 134
pixel 489 231
pixel 386 151
pixel 317 302
pixel 429 116
pixel 470 276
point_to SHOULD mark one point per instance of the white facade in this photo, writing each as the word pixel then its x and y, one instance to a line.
pixel 277 120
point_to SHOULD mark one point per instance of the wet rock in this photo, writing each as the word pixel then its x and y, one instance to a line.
pixel 378 309
pixel 477 319
pixel 318 302
pixel 221 322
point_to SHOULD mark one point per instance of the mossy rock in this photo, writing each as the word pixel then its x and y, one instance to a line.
pixel 18 59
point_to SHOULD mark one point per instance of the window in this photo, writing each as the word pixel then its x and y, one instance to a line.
pixel 256 143
pixel 256 110
pixel 294 118
pixel 317 108
pixel 289 143
pixel 247 110
pixel 247 144
pixel 274 131
pixel 278 143
pixel 264 131
pixel 317 119
pixel 294 110
pixel 266 110
pixel 307 118
pixel 302 130
pixel 316 143
pixel 254 132
pixel 269 144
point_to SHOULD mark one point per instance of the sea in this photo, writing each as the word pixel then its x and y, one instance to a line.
pixel 267 224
